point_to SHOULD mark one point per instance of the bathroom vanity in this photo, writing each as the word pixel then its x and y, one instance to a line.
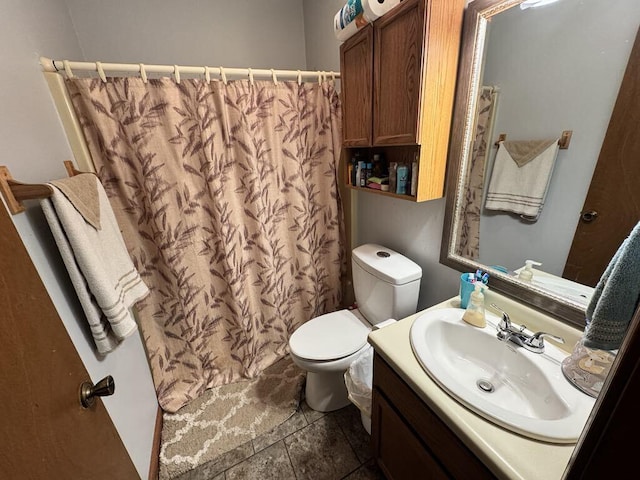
pixel 418 428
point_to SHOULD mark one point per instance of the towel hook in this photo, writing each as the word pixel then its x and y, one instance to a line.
pixel 67 68
pixel 100 70
pixel 223 75
pixel 176 73
pixel 143 73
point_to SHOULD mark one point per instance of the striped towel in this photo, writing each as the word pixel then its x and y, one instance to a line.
pixel 100 268
pixel 520 177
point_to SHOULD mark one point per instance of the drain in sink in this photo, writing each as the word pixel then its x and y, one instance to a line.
pixel 485 386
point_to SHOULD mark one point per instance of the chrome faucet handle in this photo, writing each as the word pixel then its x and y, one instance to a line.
pixel 505 323
pixel 537 339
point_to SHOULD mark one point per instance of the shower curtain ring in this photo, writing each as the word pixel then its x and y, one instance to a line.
pixel 319 77
pixel 176 73
pixel 143 73
pixel 273 75
pixel 251 76
pixel 299 77
pixel 100 70
pixel 67 68
pixel 207 76
pixel 223 75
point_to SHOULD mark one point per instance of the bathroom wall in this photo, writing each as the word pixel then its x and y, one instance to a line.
pixel 239 33
pixel 413 229
pixel 33 148
pixel 576 54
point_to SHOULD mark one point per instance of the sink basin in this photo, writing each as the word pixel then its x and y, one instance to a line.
pixel 566 288
pixel 521 391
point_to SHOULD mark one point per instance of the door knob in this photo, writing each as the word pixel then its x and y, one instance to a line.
pixel 89 391
pixel 589 216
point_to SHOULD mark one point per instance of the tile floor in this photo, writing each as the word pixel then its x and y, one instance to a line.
pixel 309 446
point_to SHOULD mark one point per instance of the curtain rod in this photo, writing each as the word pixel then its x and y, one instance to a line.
pixel 68 67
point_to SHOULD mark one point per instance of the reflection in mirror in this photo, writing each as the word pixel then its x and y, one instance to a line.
pixel 532 74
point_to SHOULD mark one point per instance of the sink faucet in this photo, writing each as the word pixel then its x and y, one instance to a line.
pixel 509 332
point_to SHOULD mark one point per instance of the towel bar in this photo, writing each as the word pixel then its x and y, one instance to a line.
pixel 15 192
pixel 563 142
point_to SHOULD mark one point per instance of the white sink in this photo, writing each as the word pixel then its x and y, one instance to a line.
pixel 521 391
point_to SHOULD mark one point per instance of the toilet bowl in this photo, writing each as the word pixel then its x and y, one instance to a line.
pixel 386 285
pixel 325 347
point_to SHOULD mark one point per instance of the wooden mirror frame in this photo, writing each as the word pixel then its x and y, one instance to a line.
pixel 476 18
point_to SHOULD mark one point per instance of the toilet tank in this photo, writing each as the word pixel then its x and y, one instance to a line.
pixel 386 283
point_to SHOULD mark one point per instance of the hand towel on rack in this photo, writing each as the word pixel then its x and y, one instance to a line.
pixel 103 275
pixel 521 176
pixel 616 297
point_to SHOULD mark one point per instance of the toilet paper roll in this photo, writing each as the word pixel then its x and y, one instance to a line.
pixel 355 14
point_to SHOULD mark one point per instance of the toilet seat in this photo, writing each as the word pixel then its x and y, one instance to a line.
pixel 329 337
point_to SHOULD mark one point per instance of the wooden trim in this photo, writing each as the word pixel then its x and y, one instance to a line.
pixel 441 52
pixel 154 466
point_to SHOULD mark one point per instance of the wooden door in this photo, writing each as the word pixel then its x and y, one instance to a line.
pixel 397 66
pixel 356 76
pixel 614 192
pixel 44 432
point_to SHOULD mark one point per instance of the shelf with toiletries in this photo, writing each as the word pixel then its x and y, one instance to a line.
pixel 398 80
pixel 390 171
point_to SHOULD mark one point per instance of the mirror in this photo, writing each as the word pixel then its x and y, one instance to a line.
pixel 531 74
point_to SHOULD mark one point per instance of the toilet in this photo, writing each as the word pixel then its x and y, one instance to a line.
pixel 386 285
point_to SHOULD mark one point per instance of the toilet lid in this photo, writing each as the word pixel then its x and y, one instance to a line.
pixel 330 336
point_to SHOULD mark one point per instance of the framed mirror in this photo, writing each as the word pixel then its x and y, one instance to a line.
pixel 532 70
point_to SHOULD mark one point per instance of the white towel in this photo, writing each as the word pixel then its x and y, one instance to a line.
pixel 521 189
pixel 101 271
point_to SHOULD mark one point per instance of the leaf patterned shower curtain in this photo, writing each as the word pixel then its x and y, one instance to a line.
pixel 468 234
pixel 228 200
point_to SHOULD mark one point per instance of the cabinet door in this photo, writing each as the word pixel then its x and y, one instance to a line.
pixel 356 75
pixel 398 451
pixel 398 38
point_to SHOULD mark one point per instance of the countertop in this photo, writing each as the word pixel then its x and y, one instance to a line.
pixel 506 454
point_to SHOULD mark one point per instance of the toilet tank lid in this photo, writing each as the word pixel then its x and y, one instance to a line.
pixel 386 264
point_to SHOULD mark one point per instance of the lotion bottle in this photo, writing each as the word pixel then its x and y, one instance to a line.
pixel 527 274
pixel 474 314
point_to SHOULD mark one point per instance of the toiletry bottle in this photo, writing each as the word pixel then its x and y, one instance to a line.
pixel 474 314
pixel 369 173
pixel 402 174
pixel 527 274
pixel 354 161
pixel 359 173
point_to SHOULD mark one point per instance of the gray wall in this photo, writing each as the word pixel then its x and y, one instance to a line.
pixel 34 147
pixel 558 68
pixel 413 229
pixel 238 33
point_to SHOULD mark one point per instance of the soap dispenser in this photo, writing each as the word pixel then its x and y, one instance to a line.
pixel 527 274
pixel 474 314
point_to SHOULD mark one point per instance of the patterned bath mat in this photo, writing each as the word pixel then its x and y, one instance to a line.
pixel 228 416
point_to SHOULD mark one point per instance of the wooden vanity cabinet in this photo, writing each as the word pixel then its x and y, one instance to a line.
pixel 409 440
pixel 398 79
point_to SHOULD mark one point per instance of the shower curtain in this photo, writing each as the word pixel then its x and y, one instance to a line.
pixel 468 235
pixel 228 200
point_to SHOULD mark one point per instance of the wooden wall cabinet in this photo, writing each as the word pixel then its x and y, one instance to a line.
pixel 409 440
pixel 398 81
